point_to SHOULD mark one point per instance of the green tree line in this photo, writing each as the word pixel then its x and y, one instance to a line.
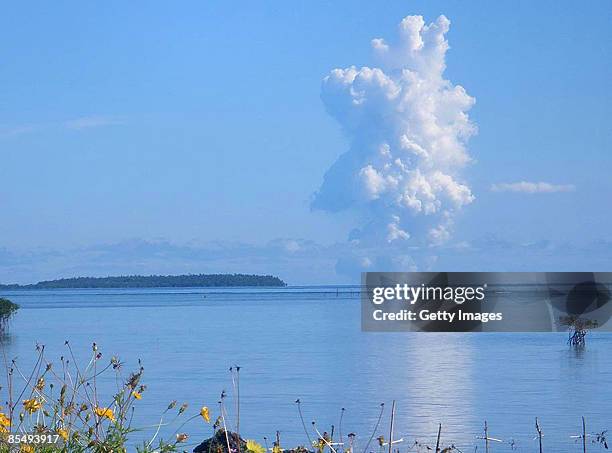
pixel 155 281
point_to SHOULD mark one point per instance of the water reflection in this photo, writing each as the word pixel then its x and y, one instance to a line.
pixel 309 345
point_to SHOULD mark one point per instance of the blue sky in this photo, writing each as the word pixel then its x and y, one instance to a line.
pixel 164 126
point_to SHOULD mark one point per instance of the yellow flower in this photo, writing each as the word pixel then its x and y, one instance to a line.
pixel 205 413
pixel 32 405
pixel 254 447
pixel 137 395
pixel 105 412
pixel 4 420
pixel 182 437
pixel 63 433
pixel 5 423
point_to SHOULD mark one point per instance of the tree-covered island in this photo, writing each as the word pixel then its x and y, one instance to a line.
pixel 155 281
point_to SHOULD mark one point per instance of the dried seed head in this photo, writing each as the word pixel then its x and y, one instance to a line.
pixel 181 437
pixel 40 384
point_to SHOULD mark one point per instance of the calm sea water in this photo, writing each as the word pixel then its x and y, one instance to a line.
pixel 305 342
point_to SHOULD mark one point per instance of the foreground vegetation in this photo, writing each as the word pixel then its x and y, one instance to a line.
pixel 59 408
pixel 156 281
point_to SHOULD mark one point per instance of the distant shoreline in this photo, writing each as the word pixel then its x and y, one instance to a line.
pixel 155 281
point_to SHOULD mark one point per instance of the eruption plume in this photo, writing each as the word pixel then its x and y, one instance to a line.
pixel 407 128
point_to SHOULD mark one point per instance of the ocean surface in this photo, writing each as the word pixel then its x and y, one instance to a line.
pixel 306 343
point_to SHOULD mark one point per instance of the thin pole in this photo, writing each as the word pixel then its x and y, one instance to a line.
pixel 539 434
pixel 391 428
pixel 583 435
pixel 486 437
pixel 438 440
pixel 238 404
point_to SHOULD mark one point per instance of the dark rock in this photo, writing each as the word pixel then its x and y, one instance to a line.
pixel 218 443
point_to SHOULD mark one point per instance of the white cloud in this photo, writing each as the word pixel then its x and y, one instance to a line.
pixel 87 122
pixel 408 127
pixel 394 232
pixel 312 263
pixel 7 131
pixel 532 187
pixel 294 260
pixel 439 235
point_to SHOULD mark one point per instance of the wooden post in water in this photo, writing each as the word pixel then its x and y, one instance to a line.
pixel 486 437
pixel 583 435
pixel 438 440
pixel 539 430
pixel 391 428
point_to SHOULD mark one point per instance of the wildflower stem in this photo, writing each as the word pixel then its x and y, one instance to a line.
pixel 9 383
pixel 382 408
pixel 340 428
pixel 159 425
pixel 29 379
pixel 299 405
pixel 229 450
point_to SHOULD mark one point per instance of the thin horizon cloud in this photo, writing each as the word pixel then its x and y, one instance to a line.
pixel 532 187
pixel 87 122
pixel 76 124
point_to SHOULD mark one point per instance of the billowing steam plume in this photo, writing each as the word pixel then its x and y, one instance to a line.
pixel 407 127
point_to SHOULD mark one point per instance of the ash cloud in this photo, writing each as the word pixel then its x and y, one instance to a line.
pixel 407 128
